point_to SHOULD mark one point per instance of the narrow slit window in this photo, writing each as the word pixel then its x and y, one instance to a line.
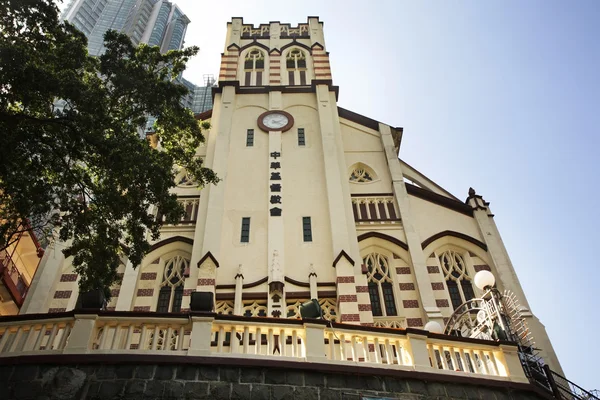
pixel 250 138
pixel 245 236
pixel 301 137
pixel 291 77
pixel 307 229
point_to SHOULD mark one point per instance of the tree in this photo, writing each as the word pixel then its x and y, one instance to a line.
pixel 83 168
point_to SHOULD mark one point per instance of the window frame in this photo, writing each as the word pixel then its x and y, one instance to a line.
pixel 249 137
pixel 245 230
pixel 381 288
pixel 253 67
pixel 459 284
pixel 301 137
pixel 170 294
pixel 307 230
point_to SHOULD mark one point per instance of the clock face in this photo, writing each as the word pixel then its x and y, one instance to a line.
pixel 275 121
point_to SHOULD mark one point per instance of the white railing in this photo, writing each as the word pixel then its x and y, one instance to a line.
pixel 142 334
pixel 258 337
pixel 375 208
pixel 195 334
pixel 43 335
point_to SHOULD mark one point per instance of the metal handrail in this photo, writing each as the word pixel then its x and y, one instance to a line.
pixel 562 388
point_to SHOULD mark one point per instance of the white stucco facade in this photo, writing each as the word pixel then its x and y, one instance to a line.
pixel 378 245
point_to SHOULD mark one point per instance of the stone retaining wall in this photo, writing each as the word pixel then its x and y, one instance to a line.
pixel 148 381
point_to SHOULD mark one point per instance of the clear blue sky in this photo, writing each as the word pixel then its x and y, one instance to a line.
pixel 503 96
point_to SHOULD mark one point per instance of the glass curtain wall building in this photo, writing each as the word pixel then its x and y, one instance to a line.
pixel 156 22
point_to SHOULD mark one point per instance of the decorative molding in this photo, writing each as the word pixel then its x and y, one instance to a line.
pixel 283 89
pixel 294 42
pixel 382 236
pixel 458 235
pixel 171 240
pixel 246 286
pixel 454 205
pixel 339 257
pixel 254 43
pixel 208 255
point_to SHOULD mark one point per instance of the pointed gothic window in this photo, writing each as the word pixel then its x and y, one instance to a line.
pixel 296 66
pixel 171 290
pixel 381 290
pixel 254 66
pixel 457 278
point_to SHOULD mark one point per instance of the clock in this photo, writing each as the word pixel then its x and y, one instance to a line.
pixel 275 121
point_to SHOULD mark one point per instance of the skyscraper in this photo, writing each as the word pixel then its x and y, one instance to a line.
pixel 156 22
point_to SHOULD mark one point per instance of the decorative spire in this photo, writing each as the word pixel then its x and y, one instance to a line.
pixel 240 273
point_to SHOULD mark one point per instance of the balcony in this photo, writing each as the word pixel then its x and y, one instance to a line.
pixel 296 341
pixel 12 279
pixel 370 209
pixel 190 207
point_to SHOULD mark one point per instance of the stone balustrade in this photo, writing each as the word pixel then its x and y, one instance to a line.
pixel 295 340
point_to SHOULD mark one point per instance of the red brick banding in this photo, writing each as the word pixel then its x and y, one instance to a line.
pixel 482 268
pixel 350 318
pixel 141 308
pixel 407 286
pixel 364 307
pixel 206 282
pixel 442 303
pixel 433 269
pixel 414 322
pixel 187 292
pixel 362 289
pixel 145 292
pixel 68 277
pixel 437 285
pixel 410 303
pixel 148 276
pixel 345 279
pixel 403 270
pixel 62 294
pixel 347 298
pixel 56 310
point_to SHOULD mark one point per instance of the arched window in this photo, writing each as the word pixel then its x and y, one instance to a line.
pixel 381 290
pixel 296 66
pixel 457 278
pixel 360 173
pixel 254 66
pixel 171 287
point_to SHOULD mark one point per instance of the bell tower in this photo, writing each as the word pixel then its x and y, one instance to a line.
pixel 276 96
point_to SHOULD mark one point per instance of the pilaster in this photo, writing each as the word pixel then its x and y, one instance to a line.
pixel 38 297
pixel 127 289
pixel 238 304
pixel 419 261
pixel 207 237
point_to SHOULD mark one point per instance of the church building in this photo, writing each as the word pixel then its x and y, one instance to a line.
pixel 313 203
